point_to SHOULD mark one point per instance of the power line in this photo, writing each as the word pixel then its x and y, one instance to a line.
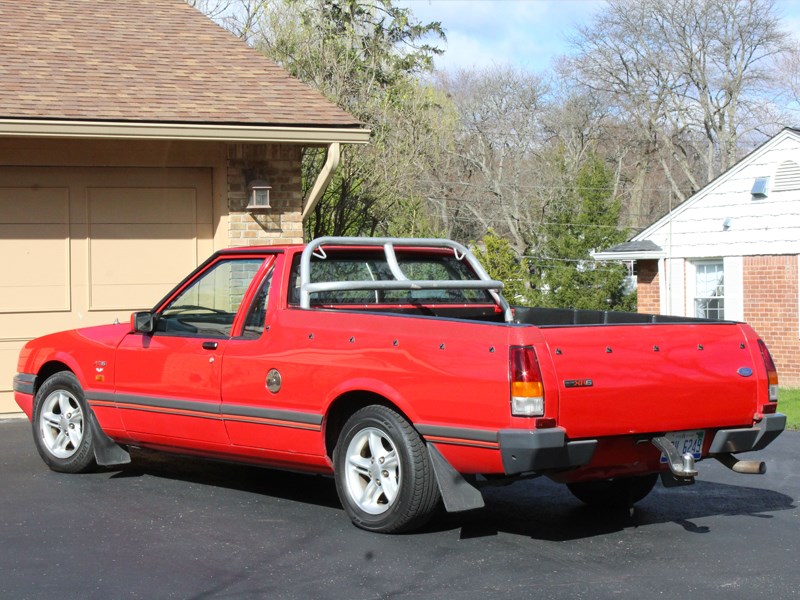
pixel 488 201
pixel 568 260
pixel 565 187
pixel 622 212
pixel 502 221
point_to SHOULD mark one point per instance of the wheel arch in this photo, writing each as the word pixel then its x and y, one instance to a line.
pixel 47 370
pixel 347 404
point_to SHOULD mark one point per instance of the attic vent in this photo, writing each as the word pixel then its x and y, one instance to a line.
pixel 787 177
pixel 760 187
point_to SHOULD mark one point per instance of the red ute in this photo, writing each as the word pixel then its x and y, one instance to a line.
pixel 398 367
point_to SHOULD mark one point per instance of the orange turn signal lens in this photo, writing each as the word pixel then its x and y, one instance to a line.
pixel 528 389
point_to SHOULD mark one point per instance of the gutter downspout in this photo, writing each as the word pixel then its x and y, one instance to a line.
pixel 323 179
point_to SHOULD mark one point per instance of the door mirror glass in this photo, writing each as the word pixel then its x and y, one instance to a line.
pixel 142 322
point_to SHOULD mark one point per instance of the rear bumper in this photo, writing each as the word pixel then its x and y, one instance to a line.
pixel 748 438
pixel 525 451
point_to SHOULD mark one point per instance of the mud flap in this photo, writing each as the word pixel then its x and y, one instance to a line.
pixel 458 495
pixel 106 452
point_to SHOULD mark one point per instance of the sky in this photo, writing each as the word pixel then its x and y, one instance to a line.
pixel 526 33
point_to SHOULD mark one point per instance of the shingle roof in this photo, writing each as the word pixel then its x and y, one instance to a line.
pixel 143 60
pixel 633 250
pixel 639 246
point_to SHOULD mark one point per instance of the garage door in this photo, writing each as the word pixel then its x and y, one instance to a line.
pixel 87 246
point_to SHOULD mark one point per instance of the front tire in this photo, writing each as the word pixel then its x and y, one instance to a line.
pixel 622 492
pixel 383 473
pixel 61 427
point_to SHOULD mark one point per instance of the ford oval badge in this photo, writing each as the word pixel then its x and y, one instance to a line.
pixel 745 371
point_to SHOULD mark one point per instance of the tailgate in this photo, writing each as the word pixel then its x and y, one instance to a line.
pixel 626 379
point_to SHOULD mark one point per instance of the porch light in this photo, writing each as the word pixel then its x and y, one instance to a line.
pixel 259 195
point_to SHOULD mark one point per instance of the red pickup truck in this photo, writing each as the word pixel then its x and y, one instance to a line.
pixel 396 366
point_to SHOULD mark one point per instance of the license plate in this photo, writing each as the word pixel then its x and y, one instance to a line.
pixel 686 441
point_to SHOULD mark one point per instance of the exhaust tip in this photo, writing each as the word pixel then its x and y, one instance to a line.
pixel 745 467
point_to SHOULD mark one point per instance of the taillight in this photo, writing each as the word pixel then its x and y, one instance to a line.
pixel 527 392
pixel 772 372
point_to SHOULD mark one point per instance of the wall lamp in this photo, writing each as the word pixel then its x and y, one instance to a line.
pixel 259 195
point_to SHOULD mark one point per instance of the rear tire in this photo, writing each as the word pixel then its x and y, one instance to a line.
pixel 61 427
pixel 622 492
pixel 383 473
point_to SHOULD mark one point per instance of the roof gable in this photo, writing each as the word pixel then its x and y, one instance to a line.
pixel 143 60
pixel 724 219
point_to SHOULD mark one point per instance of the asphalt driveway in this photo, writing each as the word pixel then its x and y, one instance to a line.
pixel 181 528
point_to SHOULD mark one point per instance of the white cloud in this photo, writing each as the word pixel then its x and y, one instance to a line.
pixel 525 33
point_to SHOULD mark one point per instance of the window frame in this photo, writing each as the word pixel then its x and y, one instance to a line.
pixel 267 263
pixel 699 267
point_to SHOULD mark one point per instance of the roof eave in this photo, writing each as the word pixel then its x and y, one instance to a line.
pixel 616 256
pixel 182 131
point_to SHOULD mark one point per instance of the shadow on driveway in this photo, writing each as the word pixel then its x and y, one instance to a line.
pixel 538 509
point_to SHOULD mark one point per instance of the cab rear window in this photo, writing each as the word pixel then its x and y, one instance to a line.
pixel 372 266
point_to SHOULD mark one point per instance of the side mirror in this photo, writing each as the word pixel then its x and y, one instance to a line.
pixel 143 322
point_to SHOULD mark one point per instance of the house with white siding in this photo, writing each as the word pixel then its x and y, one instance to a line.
pixel 731 251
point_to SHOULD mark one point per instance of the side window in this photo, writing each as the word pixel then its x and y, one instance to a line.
pixel 256 315
pixel 208 306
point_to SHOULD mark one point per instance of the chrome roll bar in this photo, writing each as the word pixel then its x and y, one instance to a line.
pixel 401 281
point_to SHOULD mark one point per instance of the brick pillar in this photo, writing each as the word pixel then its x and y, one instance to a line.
pixel 648 295
pixel 279 165
pixel 771 308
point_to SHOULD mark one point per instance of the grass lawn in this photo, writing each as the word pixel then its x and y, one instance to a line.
pixel 789 404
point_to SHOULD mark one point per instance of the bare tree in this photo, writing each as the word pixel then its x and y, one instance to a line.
pixel 487 179
pixel 241 17
pixel 789 70
pixel 690 76
pixel 212 8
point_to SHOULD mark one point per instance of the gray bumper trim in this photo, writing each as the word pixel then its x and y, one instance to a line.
pixel 749 438
pixel 525 451
pixel 24 382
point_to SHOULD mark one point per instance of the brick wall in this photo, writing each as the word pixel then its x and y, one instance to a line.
pixel 771 308
pixel 279 165
pixel 647 291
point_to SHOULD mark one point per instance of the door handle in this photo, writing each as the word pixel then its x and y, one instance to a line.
pixel 210 345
